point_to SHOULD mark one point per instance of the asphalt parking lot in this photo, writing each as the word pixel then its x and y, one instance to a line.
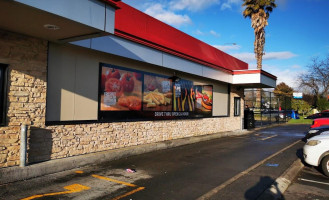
pixel 310 183
pixel 241 167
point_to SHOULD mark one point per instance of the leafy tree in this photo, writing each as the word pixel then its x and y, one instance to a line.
pixel 258 11
pixel 322 104
pixel 302 106
pixel 310 99
pixel 316 79
pixel 283 89
pixel 284 93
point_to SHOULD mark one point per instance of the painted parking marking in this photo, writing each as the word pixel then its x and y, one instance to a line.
pixel 129 193
pixel 113 180
pixel 263 139
pixel 120 182
pixel 75 188
pixel 306 180
pixel 71 189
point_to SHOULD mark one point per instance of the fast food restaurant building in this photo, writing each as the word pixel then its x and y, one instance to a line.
pixel 96 75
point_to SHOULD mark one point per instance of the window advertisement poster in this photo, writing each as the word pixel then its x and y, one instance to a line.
pixel 183 97
pixel 121 89
pixel 132 95
pixel 157 94
pixel 203 99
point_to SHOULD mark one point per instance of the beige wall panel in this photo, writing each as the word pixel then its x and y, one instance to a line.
pixel 61 83
pixel 66 105
pixel 220 100
pixel 86 89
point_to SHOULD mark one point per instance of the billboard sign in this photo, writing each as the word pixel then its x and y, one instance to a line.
pixel 297 95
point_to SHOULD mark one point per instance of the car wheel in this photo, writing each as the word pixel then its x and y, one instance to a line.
pixel 325 165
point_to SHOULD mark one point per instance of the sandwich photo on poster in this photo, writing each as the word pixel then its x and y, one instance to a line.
pixel 157 94
pixel 203 99
pixel 121 89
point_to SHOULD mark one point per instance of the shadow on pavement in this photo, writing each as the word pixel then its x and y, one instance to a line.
pixel 254 192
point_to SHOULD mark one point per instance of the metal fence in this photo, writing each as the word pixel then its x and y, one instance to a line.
pixel 267 107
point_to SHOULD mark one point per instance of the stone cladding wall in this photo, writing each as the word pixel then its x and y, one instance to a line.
pixel 26 104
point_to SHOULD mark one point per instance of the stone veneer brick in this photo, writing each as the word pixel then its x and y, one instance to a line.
pixel 27 86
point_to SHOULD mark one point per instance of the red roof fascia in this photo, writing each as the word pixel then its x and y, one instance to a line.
pixel 137 26
pixel 256 71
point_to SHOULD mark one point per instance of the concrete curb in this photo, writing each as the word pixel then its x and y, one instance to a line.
pixel 12 174
pixel 282 183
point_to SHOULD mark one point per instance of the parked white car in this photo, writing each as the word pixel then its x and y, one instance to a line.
pixel 316 152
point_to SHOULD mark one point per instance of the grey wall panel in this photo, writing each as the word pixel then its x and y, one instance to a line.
pixel 217 75
pixel 121 47
pixel 110 19
pixel 91 12
pixel 176 63
pixel 269 82
pixel 83 43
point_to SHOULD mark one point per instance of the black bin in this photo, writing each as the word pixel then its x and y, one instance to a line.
pixel 249 119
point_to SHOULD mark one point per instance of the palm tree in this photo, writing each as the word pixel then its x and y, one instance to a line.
pixel 258 11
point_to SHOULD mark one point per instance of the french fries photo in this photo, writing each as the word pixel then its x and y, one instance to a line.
pixel 156 98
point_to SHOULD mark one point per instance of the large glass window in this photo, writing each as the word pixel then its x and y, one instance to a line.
pixel 237 106
pixel 3 80
pixel 128 94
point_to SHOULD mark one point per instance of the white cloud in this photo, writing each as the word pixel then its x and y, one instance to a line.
pixel 247 57
pixel 227 47
pixel 157 11
pixel 198 32
pixel 192 5
pixel 287 75
pixel 250 57
pixel 225 6
pixel 212 32
pixel 296 66
pixel 229 3
pixel 279 55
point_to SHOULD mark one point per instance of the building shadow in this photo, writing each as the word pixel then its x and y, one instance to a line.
pixel 263 190
pixel 40 143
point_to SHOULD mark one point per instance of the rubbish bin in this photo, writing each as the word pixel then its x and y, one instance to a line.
pixel 249 119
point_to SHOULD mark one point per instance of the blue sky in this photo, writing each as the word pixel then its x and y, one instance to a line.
pixel 298 30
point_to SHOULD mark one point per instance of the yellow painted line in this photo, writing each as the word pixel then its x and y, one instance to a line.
pixel 71 189
pixel 113 180
pixel 268 137
pixel 79 172
pixel 129 193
